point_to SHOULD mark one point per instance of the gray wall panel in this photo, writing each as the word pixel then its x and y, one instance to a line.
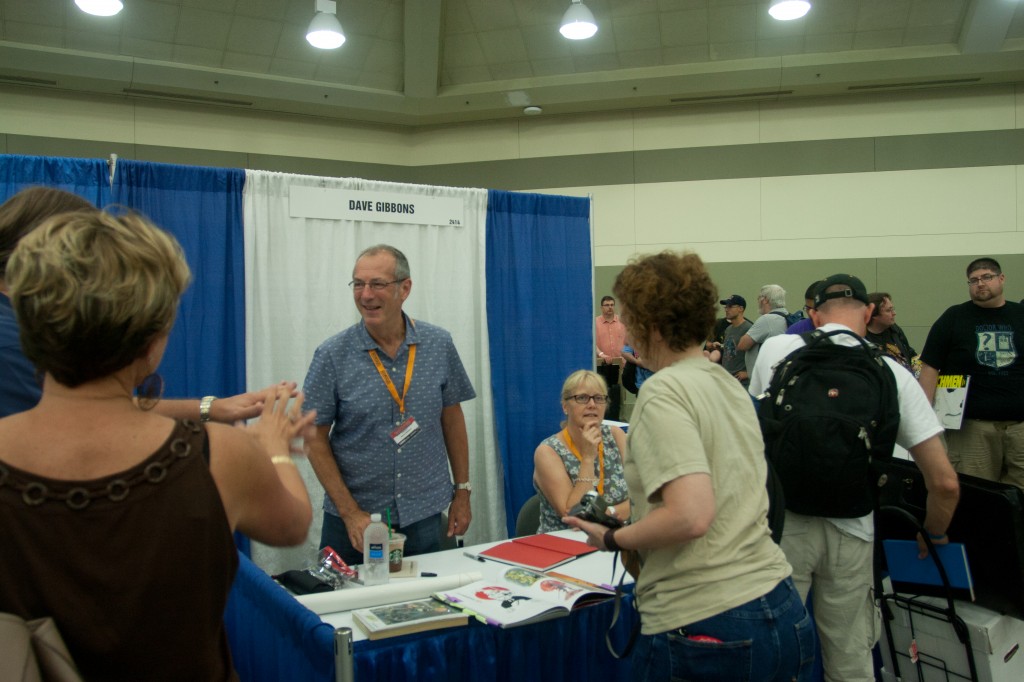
pixel 77 149
pixel 950 150
pixel 922 288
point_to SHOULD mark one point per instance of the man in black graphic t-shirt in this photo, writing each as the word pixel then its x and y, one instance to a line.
pixel 982 338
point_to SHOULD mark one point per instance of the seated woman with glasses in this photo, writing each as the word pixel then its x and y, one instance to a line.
pixel 585 455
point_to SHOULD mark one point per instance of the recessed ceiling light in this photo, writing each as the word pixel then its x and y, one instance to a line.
pixel 100 8
pixel 786 10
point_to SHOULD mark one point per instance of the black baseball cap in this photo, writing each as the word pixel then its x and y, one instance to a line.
pixel 855 289
pixel 735 299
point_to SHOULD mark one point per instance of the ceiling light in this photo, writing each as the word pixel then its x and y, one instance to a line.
pixel 785 10
pixel 101 8
pixel 578 23
pixel 532 111
pixel 325 29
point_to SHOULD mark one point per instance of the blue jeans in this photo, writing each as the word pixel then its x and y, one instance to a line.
pixel 421 537
pixel 768 638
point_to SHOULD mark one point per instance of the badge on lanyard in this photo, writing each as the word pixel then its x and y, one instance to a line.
pixel 408 428
pixel 402 433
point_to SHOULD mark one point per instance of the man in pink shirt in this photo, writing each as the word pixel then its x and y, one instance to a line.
pixel 610 335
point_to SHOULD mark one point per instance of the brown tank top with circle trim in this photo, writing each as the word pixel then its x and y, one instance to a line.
pixel 135 568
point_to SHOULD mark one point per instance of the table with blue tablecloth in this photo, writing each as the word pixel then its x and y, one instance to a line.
pixel 275 638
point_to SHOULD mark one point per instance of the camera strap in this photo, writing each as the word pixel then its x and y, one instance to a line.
pixel 616 612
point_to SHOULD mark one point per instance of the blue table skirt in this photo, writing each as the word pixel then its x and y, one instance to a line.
pixel 274 638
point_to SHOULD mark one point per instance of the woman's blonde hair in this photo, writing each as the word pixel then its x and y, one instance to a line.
pixel 92 290
pixel 580 377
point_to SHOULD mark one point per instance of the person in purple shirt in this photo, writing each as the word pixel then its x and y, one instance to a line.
pixel 806 324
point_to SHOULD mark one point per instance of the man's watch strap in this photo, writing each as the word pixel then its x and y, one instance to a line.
pixel 204 407
pixel 467 486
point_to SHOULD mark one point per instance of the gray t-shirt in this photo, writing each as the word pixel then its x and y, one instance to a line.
pixel 765 327
pixel 733 359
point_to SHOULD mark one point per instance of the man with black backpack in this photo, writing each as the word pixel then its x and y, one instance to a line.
pixel 833 406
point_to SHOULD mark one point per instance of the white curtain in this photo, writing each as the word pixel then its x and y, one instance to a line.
pixel 296 283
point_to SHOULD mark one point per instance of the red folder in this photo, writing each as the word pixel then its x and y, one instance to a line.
pixel 539 552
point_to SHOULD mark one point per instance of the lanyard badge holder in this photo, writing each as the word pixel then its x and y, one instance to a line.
pixel 409 427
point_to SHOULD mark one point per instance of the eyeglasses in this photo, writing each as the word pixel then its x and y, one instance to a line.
pixel 375 285
pixel 975 281
pixel 583 399
pixel 808 308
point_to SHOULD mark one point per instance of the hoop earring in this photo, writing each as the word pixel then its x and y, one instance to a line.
pixel 150 391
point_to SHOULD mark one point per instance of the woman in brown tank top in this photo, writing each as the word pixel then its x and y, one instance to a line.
pixel 114 520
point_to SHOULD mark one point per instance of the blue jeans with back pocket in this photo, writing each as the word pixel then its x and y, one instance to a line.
pixel 767 639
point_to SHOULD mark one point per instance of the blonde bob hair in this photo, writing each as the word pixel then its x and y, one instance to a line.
pixel 92 290
pixel 579 378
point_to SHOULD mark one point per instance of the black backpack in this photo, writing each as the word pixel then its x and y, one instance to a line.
pixel 629 378
pixel 829 413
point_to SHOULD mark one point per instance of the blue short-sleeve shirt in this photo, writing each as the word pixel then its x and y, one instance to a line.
pixel 345 388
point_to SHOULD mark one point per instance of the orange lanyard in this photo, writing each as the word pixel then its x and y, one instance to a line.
pixel 600 457
pixel 387 380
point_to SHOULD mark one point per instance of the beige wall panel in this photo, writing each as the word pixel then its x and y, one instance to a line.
pixel 700 211
pixel 697 126
pixel 571 135
pixel 924 202
pixel 25 111
pixel 465 143
pixel 874 115
pixel 295 136
pixel 617 256
pixel 614 217
pixel 1020 198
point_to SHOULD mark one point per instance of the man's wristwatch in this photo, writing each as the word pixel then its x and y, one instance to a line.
pixel 467 486
pixel 204 407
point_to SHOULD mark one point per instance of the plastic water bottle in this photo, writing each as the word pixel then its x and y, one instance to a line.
pixel 375 552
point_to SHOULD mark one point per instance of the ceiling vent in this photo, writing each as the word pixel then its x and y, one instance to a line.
pixel 21 80
pixel 915 84
pixel 198 99
pixel 723 98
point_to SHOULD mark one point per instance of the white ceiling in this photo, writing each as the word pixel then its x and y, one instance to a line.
pixel 441 61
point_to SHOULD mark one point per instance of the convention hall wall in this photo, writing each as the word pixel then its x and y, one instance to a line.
pixel 902 188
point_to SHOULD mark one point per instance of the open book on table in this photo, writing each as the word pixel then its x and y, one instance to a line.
pixel 520 596
pixel 538 552
pixel 418 615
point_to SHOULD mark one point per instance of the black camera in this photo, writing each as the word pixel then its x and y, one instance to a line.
pixel 593 507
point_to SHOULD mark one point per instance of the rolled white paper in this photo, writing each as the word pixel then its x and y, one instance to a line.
pixel 358 597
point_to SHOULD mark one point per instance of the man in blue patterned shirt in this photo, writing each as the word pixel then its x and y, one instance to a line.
pixel 387 392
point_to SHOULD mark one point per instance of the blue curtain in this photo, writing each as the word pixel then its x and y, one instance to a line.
pixel 540 320
pixel 88 178
pixel 202 208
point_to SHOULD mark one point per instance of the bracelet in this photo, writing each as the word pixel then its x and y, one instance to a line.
pixel 941 536
pixel 282 459
pixel 204 407
pixel 609 540
pixel 580 479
